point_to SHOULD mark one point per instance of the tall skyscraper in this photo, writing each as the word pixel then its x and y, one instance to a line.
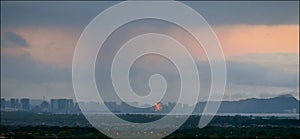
pixel 25 104
pixel 62 106
pixel 2 103
pixel 54 105
pixel 45 106
pixel 14 103
pixel 70 106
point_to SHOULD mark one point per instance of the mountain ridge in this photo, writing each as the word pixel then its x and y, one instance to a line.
pixel 280 104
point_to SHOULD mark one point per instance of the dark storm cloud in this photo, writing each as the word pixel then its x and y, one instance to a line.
pixel 61 14
pixel 66 14
pixel 248 12
pixel 11 39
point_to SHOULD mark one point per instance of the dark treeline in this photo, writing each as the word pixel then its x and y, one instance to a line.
pixel 29 118
pixel 33 125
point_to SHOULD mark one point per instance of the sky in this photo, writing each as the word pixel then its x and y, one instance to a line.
pixel 260 41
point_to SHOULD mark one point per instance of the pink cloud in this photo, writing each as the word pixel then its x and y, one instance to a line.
pixel 56 46
pixel 53 46
pixel 246 39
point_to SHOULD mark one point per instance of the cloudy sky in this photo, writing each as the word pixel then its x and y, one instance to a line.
pixel 260 41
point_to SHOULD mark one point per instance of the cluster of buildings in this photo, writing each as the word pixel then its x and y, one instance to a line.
pixel 14 104
pixel 60 106
pixel 68 106
pixel 123 107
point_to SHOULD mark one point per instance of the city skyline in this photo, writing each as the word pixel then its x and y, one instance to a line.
pixel 68 106
pixel 119 102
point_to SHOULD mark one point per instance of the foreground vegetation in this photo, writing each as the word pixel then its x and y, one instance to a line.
pixel 33 125
pixel 207 132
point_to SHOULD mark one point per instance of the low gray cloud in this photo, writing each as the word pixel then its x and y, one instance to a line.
pixel 27 70
pixel 20 88
pixel 250 74
pixel 256 75
pixel 242 78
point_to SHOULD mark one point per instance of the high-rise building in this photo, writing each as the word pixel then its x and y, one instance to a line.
pixel 14 103
pixel 54 105
pixel 7 104
pixel 2 103
pixel 45 106
pixel 62 106
pixel 70 105
pixel 112 106
pixel 76 108
pixel 25 104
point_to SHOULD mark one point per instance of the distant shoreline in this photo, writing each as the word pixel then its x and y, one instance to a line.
pixel 278 115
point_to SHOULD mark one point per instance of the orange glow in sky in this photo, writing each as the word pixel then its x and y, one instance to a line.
pixel 245 39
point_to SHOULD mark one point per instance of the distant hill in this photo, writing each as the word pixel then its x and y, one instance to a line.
pixel 280 104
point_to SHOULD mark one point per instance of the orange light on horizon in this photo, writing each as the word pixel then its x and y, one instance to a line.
pixel 158 106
